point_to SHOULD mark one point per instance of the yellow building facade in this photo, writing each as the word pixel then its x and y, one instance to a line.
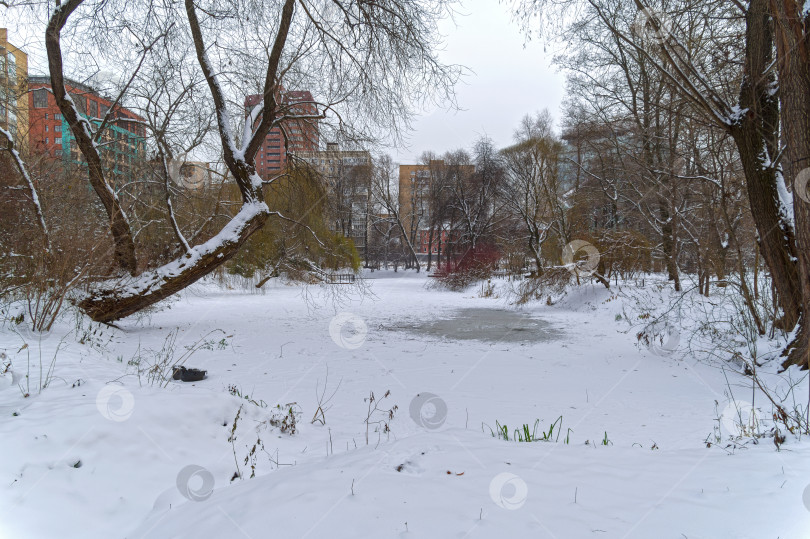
pixel 14 91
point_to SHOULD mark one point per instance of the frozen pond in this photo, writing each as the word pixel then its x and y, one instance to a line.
pixel 491 325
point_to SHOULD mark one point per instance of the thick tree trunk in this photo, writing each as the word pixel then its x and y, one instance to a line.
pixel 792 30
pixel 117 299
pixel 755 136
pixel 121 298
pixel 124 245
pixel 776 237
pixel 669 245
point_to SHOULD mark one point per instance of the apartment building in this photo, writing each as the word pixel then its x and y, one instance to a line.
pixel 348 177
pixel 416 186
pixel 121 146
pixel 301 135
pixel 13 91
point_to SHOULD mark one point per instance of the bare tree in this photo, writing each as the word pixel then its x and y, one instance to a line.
pixel 87 136
pixel 718 58
pixel 33 196
pixel 370 62
pixel 533 187
pixel 179 121
pixel 385 194
pixel 475 188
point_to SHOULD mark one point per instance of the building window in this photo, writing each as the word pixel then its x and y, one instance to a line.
pixel 93 109
pixel 40 98
pixel 81 103
pixel 58 128
pixel 57 141
pixel 12 69
pixel 46 128
pixel 57 116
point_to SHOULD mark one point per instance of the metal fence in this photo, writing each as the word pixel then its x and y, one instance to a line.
pixel 340 278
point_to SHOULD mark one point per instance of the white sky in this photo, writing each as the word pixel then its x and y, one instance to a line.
pixel 507 81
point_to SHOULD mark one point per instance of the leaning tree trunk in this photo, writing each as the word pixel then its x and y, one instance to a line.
pixel 124 245
pixel 117 299
pixel 754 133
pixel 121 298
pixel 776 236
pixel 792 29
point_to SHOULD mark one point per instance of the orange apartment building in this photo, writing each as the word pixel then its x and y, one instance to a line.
pixel 122 144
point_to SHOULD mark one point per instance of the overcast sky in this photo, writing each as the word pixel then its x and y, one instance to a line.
pixel 507 81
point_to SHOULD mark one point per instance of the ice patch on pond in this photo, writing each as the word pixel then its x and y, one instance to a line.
pixel 490 325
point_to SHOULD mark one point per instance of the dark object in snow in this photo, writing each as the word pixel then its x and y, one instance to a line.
pixel 188 375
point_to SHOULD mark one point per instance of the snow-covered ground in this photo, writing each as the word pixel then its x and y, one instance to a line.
pixel 102 452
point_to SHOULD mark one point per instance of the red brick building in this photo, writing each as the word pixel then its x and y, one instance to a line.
pixel 302 135
pixel 122 143
pixel 439 244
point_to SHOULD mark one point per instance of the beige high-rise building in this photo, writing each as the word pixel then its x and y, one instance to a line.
pixel 332 161
pixel 14 91
pixel 415 185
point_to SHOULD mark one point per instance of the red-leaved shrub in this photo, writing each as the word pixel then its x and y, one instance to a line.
pixel 475 264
